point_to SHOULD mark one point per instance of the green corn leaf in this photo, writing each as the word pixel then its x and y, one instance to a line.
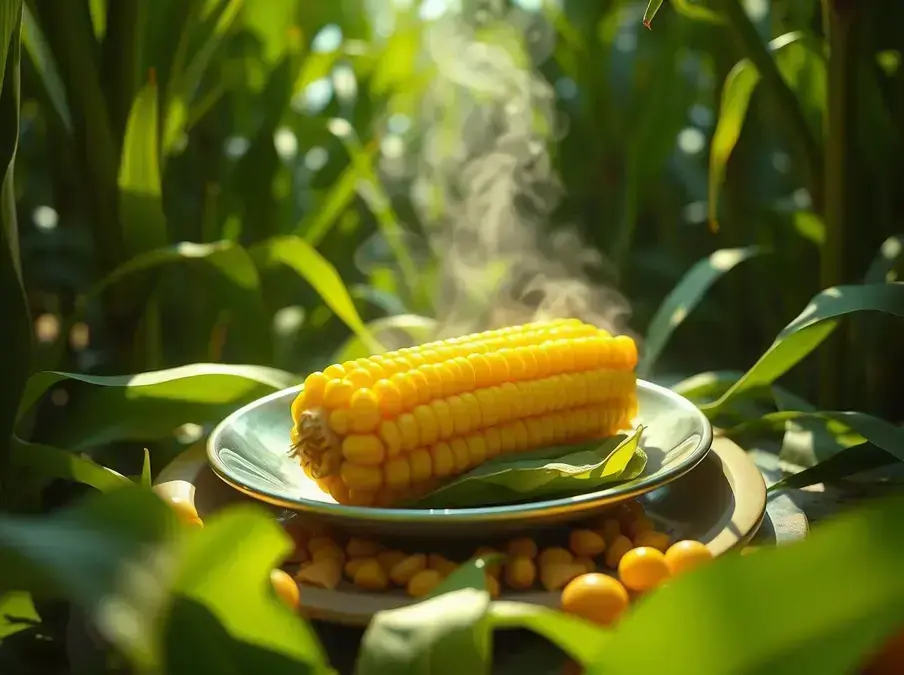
pixel 140 200
pixel 684 297
pixel 146 470
pixel 17 328
pixel 809 329
pixel 696 12
pixel 47 463
pixel 300 256
pixel 17 613
pixel 548 473
pixel 652 7
pixel 41 59
pixel 873 429
pixel 712 620
pixel 152 405
pixel 844 463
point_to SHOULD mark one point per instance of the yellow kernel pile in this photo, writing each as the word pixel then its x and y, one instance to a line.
pixel 378 430
pixel 622 542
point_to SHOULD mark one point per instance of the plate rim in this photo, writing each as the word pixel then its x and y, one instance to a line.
pixel 546 507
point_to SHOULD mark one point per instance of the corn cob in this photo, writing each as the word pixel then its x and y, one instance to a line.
pixel 381 429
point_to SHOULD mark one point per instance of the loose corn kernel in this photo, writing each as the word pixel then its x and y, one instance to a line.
pixel 611 530
pixel 658 540
pixel 522 546
pixel 329 553
pixel 389 559
pixel 352 566
pixel 638 525
pixel 326 573
pixel 423 582
pixel 595 597
pixel 617 549
pixel 318 542
pixel 586 543
pixel 641 569
pixel 684 556
pixel 441 564
pixel 586 562
pixel 402 571
pixel 555 576
pixel 555 556
pixel 286 589
pixel 371 576
pixel 520 572
pixel 361 548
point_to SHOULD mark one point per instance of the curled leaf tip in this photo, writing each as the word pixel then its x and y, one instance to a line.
pixel 648 24
pixel 652 7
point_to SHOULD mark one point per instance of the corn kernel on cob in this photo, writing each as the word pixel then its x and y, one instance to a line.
pixel 377 430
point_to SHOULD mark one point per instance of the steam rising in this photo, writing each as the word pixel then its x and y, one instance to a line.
pixel 484 186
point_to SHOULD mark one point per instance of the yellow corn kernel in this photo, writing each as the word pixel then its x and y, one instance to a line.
pixel 407 390
pixel 555 555
pixel 555 576
pixel 421 385
pixel 332 552
pixel 461 417
pixel 520 572
pixel 391 437
pixel 586 543
pixel 421 466
pixel 364 409
pixel 326 573
pixel 352 566
pixel 460 454
pixel 364 449
pixel 483 372
pixel 477 450
pixel 337 393
pixel 617 550
pixel 639 525
pixel 408 431
pixel 334 372
pixel 397 473
pixel 428 425
pixel 362 548
pixel 441 564
pixel 389 559
pixel 434 380
pixel 652 539
pixel 611 529
pixel 371 576
pixel 586 562
pixel 389 398
pixel 443 460
pixel 423 582
pixel 443 413
pixel 493 442
pixel 360 477
pixel 316 543
pixel 406 568
pixel 341 421
pixel 522 546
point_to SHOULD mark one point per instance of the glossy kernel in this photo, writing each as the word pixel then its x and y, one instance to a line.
pixel 642 569
pixel 595 597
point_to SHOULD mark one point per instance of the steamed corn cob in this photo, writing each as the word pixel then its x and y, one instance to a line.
pixel 380 429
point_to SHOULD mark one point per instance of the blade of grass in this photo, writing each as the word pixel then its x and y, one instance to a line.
pixel 41 59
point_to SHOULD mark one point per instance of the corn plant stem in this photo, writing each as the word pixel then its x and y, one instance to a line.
pixel 121 58
pixel 841 158
pixel 70 35
pixel 788 106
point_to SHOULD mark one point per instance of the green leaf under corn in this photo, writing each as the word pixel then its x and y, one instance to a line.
pixel 684 297
pixel 842 595
pixel 652 7
pixel 809 329
pixel 557 471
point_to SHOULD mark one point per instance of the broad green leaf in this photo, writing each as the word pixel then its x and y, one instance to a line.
pixel 447 634
pixel 809 329
pixel 572 470
pixel 883 434
pixel 684 297
pixel 224 601
pixel 707 386
pixel 728 618
pixel 152 405
pixel 140 201
pixel 396 65
pixel 98 10
pixel 317 224
pixel 42 60
pixel 232 277
pixel 847 462
pixel 304 259
pixel 49 463
pixel 104 556
pixel 736 92
pixel 887 265
pixel 17 328
pixel 579 639
pixel 17 612
pixel 697 12
pixel 417 330
pixel 470 574
pixel 652 7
